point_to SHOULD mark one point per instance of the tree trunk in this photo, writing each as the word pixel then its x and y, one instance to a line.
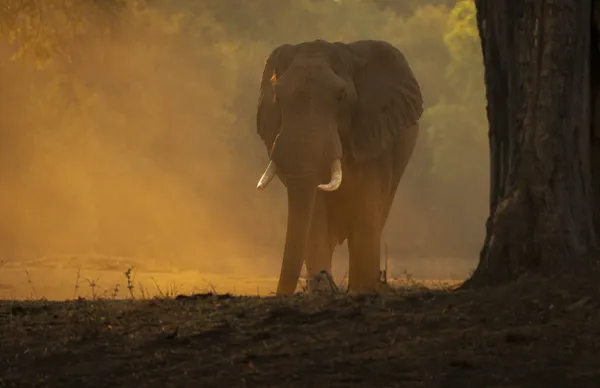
pixel 544 140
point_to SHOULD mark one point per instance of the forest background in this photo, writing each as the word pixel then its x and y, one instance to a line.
pixel 127 128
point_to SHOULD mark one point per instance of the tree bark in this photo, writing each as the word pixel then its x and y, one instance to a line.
pixel 544 136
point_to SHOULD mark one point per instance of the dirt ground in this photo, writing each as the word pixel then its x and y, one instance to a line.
pixel 535 333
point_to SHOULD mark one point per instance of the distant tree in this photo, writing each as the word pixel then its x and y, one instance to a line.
pixel 540 58
pixel 42 29
pixel 405 8
pixel 456 126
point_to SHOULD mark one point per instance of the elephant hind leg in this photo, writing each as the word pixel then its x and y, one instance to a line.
pixel 364 240
pixel 319 250
pixel 364 246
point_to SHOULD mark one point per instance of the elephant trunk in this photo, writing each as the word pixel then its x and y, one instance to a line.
pixel 301 194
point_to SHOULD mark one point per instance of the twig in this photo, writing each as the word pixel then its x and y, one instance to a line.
pixel 212 287
pixel 384 273
pixel 115 292
pixel 130 280
pixel 34 293
pixel 160 293
pixel 76 283
pixel 143 291
pixel 170 291
pixel 93 284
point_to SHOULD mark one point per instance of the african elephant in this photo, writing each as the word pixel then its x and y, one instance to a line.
pixel 325 108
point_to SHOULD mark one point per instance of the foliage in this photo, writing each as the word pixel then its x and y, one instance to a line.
pixel 42 29
pixel 143 96
pixel 458 121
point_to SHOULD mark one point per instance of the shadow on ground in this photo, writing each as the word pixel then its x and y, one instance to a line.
pixel 537 332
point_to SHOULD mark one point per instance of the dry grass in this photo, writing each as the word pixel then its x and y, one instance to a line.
pixel 532 333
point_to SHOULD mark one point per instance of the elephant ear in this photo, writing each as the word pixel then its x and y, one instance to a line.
pixel 268 117
pixel 389 98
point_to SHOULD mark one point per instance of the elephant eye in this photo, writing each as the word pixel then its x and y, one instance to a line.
pixel 341 95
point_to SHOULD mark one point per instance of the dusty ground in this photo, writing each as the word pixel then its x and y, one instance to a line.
pixel 61 277
pixel 530 334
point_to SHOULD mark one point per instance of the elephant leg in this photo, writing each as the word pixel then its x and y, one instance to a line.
pixel 364 247
pixel 319 250
pixel 364 243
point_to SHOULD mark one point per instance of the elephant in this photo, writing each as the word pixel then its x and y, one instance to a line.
pixel 327 108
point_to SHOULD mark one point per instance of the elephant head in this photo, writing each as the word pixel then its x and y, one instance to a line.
pixel 322 107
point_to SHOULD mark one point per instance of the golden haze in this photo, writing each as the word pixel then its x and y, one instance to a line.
pixel 130 150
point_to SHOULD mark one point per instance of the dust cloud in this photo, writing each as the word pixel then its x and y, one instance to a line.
pixel 134 145
pixel 121 153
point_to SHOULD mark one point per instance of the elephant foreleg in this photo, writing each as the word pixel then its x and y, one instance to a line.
pixel 319 250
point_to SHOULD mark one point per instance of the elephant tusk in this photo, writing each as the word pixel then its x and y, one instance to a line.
pixel 336 177
pixel 268 176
